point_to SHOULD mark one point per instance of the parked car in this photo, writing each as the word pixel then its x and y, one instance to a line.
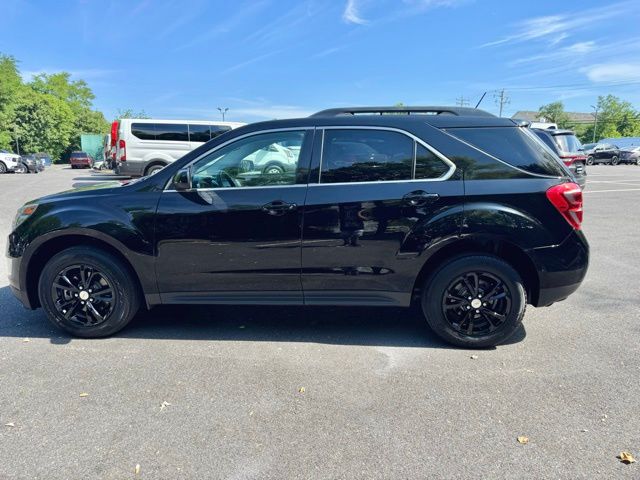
pixel 80 160
pixel 32 164
pixel 145 146
pixel 568 148
pixel 630 155
pixel 10 162
pixel 606 153
pixel 45 159
pixel 461 213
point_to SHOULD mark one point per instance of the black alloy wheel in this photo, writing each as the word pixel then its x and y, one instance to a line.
pixel 83 295
pixel 474 301
pixel 88 292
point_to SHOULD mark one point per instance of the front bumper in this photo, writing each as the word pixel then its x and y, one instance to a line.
pixel 561 268
pixel 14 264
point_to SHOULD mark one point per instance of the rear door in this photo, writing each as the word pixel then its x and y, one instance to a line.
pixel 374 200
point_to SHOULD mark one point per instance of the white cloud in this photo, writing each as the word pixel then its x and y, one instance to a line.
pixel 571 52
pixel 351 13
pixel 555 28
pixel 612 72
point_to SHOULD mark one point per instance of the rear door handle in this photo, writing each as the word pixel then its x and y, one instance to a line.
pixel 278 208
pixel 419 197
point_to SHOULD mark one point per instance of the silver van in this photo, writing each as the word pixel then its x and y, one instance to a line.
pixel 145 146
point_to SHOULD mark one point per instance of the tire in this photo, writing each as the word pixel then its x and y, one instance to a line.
pixel 614 160
pixel 589 160
pixel 451 319
pixel 118 304
pixel 3 168
pixel 21 169
pixel 273 169
pixel 153 169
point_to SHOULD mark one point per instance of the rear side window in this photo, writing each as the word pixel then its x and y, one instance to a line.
pixel 217 130
pixel 428 165
pixel 172 132
pixel 514 146
pixel 366 156
pixel 143 131
pixel 199 133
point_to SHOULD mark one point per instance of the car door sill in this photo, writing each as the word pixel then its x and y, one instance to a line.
pixel 313 297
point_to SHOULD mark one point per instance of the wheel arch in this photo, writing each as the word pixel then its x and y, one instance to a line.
pixel 510 253
pixel 153 163
pixel 55 245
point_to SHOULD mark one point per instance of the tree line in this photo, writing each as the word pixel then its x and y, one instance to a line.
pixel 48 114
pixel 615 118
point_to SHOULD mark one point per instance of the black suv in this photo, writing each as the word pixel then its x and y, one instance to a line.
pixel 461 213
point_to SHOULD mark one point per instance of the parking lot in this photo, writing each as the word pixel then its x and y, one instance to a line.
pixel 273 392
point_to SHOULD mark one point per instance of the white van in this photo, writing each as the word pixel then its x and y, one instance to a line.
pixel 145 146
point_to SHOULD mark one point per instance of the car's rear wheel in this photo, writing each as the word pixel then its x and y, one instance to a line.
pixel 88 292
pixel 3 168
pixel 474 301
pixel 614 160
pixel 154 169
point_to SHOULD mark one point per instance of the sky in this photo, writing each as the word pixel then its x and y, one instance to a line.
pixel 265 59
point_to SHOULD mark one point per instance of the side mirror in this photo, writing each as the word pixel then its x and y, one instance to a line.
pixel 182 180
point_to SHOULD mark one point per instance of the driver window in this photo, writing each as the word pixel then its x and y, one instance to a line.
pixel 259 160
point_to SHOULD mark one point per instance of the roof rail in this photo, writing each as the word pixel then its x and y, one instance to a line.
pixel 459 111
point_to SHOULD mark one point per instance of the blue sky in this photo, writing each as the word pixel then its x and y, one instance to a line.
pixel 284 58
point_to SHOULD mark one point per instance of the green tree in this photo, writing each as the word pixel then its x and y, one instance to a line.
pixel 10 84
pixel 616 118
pixel 554 113
pixel 75 92
pixel 129 113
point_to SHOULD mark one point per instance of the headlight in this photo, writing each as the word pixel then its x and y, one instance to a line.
pixel 23 213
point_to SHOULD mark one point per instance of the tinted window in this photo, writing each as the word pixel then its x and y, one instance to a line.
pixel 568 142
pixel 199 133
pixel 546 138
pixel 176 132
pixel 428 165
pixel 366 156
pixel 217 130
pixel 514 146
pixel 258 160
pixel 143 131
pixel 78 155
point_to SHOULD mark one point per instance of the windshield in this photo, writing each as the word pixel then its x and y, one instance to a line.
pixel 568 142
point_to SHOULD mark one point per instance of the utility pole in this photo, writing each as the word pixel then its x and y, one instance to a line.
pixel 223 111
pixel 595 122
pixel 461 101
pixel 501 99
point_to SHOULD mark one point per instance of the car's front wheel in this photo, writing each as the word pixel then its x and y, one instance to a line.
pixel 614 160
pixel 88 292
pixel 589 160
pixel 474 301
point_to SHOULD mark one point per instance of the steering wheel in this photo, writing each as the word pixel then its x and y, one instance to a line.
pixel 224 177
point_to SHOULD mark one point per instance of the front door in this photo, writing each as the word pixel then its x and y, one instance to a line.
pixel 377 203
pixel 235 236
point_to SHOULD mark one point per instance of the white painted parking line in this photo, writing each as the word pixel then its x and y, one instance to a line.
pixel 618 190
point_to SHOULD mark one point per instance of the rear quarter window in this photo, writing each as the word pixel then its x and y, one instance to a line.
pixel 514 146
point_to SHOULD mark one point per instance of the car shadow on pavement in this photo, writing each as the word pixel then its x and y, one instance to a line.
pixel 392 327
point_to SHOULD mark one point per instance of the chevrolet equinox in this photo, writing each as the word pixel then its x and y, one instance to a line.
pixel 466 215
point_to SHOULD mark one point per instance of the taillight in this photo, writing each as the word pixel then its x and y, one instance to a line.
pixel 114 132
pixel 122 146
pixel 569 159
pixel 567 198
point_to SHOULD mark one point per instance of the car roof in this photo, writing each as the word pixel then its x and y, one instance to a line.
pixel 555 131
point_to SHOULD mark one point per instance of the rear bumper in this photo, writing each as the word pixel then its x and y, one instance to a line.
pixel 130 168
pixel 561 268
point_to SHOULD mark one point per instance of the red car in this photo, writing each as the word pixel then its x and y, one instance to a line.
pixel 80 160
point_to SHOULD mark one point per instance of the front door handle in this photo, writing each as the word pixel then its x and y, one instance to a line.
pixel 278 208
pixel 419 197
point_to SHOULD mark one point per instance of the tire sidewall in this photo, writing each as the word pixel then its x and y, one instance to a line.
pixel 126 296
pixel 437 284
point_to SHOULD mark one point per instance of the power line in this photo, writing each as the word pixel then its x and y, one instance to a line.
pixel 461 101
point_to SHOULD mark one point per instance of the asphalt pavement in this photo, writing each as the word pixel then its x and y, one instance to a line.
pixel 275 392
